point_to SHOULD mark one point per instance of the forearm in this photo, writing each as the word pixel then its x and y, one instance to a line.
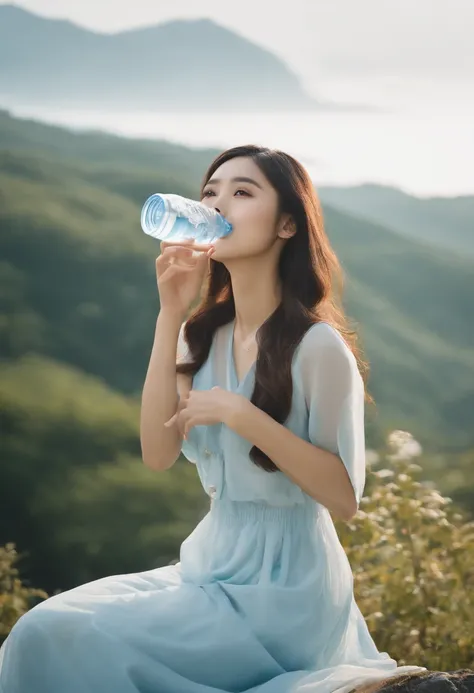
pixel 161 445
pixel 319 473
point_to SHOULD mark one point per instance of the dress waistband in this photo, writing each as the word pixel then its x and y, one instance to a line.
pixel 248 511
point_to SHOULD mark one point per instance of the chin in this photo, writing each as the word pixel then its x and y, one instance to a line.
pixel 223 252
pixel 217 255
pixel 229 251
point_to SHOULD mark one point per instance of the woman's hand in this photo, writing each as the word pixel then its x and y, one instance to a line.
pixel 180 271
pixel 206 408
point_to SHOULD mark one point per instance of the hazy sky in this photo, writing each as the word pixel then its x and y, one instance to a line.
pixel 430 38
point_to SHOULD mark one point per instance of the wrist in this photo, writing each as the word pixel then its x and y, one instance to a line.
pixel 237 415
pixel 171 318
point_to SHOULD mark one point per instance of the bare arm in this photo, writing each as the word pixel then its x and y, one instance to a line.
pixel 180 271
pixel 161 392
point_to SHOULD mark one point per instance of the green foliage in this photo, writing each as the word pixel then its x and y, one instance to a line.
pixel 411 552
pixel 15 598
pixel 102 150
pixel 118 518
pixel 442 222
pixel 408 275
pixel 77 277
pixel 71 475
pixel 412 555
pixel 78 304
pixel 454 474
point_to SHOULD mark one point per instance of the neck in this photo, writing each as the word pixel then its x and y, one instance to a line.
pixel 257 293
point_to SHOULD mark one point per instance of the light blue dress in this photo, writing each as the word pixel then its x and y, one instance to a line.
pixel 262 598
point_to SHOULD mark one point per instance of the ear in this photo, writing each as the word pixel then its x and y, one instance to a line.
pixel 286 227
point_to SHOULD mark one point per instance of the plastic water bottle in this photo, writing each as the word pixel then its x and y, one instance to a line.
pixel 175 218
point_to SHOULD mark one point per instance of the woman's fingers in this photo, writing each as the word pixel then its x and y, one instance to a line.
pixel 173 271
pixel 175 259
pixel 181 260
pixel 188 426
pixel 190 244
pixel 171 421
pixel 177 255
pixel 175 418
pixel 187 257
pixel 177 251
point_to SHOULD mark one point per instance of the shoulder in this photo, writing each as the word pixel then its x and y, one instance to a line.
pixel 323 338
pixel 219 341
pixel 323 350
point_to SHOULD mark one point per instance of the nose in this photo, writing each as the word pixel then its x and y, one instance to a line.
pixel 218 210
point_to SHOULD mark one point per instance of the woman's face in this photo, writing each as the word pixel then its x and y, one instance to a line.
pixel 242 194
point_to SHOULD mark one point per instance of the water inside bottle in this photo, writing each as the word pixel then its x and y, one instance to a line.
pixel 174 218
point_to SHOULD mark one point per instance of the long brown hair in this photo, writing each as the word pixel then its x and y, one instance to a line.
pixel 311 280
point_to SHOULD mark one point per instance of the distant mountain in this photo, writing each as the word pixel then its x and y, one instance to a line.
pixel 78 284
pixel 105 150
pixel 443 222
pixel 192 65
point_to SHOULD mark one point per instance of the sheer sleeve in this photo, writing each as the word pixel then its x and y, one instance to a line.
pixel 334 394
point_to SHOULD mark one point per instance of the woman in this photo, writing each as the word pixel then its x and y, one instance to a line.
pixel 267 400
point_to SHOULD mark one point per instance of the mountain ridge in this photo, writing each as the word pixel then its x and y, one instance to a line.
pixel 443 222
pixel 70 218
pixel 192 64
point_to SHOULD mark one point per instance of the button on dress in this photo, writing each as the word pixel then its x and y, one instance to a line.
pixel 261 600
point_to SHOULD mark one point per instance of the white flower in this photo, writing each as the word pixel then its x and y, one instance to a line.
pixel 404 446
pixel 384 473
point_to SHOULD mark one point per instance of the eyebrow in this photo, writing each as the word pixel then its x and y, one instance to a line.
pixel 239 179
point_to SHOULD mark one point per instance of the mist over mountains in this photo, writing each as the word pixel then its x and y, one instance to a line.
pixel 186 64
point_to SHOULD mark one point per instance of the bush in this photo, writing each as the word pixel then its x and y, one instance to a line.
pixel 412 556
pixel 15 598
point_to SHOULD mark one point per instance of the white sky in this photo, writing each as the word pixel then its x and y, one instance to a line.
pixel 428 38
